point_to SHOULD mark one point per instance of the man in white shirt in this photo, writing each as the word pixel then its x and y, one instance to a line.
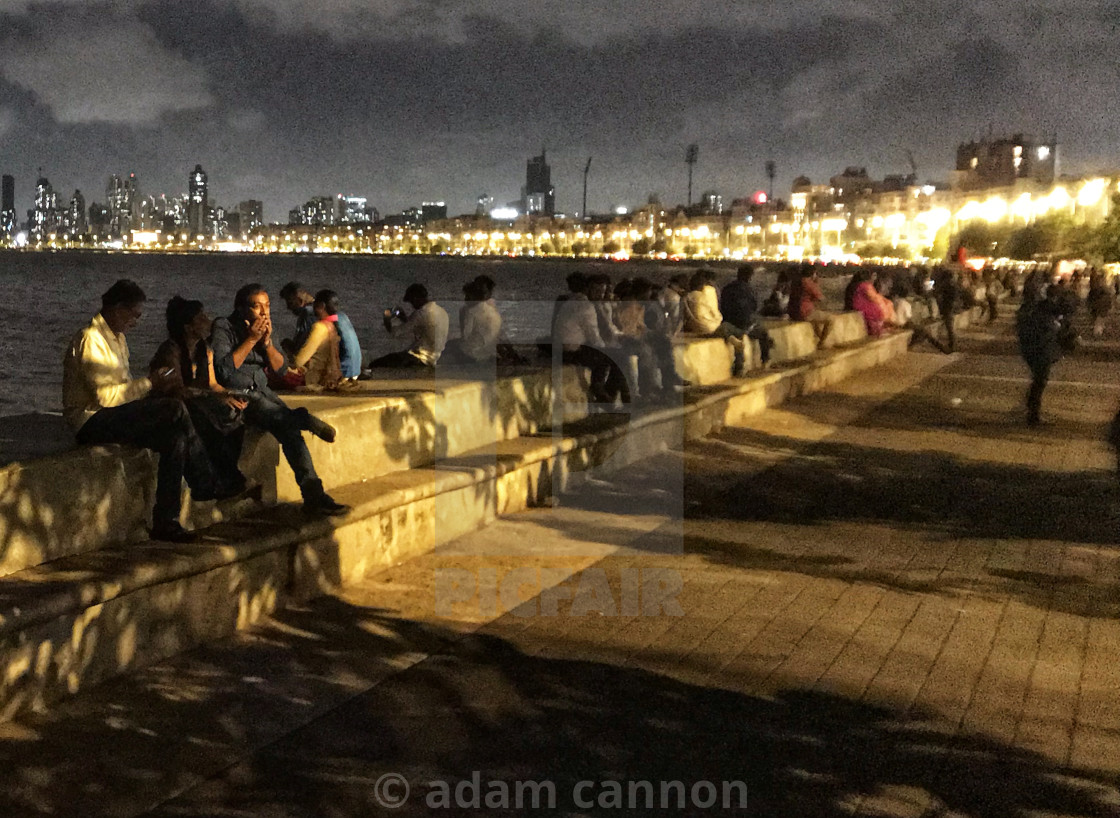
pixel 104 404
pixel 700 307
pixel 480 328
pixel 575 336
pixel 428 325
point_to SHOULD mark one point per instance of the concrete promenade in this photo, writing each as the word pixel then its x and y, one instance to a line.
pixel 890 597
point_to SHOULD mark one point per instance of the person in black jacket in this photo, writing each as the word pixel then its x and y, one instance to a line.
pixel 1041 326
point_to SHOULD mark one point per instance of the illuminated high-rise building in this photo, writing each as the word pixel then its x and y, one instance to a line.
pixel 354 210
pixel 8 205
pixel 538 196
pixel 198 205
pixel 44 216
pixel 250 215
pixel 121 195
pixel 75 222
pixel 433 211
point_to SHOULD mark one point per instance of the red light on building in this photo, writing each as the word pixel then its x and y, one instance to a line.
pixel 759 197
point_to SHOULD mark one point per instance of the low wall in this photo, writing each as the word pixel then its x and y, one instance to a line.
pixel 67 624
pixel 64 500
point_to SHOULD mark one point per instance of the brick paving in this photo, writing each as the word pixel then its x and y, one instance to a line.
pixel 888 598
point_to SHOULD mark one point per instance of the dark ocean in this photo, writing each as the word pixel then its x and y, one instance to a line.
pixel 50 296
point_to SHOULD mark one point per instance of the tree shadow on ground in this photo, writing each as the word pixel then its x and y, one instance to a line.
pixel 486 707
pixel 824 481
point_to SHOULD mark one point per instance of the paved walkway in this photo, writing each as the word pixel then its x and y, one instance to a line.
pixel 890 598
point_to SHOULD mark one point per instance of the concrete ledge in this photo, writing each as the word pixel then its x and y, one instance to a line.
pixel 75 621
pixel 70 500
pixel 707 361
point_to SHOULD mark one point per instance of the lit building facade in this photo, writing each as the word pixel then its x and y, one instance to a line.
pixel 198 202
pixel 8 219
pixel 538 196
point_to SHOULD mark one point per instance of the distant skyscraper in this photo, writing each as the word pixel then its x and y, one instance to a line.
pixel 485 204
pixel 433 211
pixel 8 205
pixel 539 196
pixel 44 216
pixel 121 194
pixel 250 215
pixel 353 210
pixel 198 204
pixel 76 214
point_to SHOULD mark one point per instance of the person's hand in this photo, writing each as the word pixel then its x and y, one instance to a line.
pixel 166 380
pixel 258 329
pixel 234 402
pixel 267 330
pixel 388 320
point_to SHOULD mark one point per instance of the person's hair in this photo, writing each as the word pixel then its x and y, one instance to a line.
pixel 416 291
pixel 577 282
pixel 290 289
pixel 487 284
pixel 241 299
pixel 679 280
pixel 474 290
pixel 698 280
pixel 599 278
pixel 123 293
pixel 180 312
pixel 329 300
pixel 642 289
pixel 623 289
pixel 745 272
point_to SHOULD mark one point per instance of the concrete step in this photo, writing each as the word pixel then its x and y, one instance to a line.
pixel 74 621
pixel 59 499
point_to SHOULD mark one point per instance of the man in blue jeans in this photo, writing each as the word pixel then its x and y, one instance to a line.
pixel 243 355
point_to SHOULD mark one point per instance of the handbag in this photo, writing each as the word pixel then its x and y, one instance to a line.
pixel 219 414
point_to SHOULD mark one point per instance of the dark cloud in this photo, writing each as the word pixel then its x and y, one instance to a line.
pixel 419 99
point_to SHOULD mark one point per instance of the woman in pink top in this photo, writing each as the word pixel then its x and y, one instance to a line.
pixel 865 300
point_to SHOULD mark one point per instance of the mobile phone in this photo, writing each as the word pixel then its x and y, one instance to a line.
pixel 167 373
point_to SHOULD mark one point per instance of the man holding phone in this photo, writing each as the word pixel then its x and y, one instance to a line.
pixel 104 404
pixel 244 354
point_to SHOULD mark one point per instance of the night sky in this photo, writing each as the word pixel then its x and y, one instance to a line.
pixel 411 100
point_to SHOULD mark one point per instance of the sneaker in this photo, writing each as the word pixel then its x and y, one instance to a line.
pixel 321 429
pixel 173 532
pixel 324 505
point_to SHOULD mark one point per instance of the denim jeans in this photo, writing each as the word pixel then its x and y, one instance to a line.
pixel 164 426
pixel 266 411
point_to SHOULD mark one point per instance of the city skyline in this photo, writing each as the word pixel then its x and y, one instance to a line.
pixel 416 101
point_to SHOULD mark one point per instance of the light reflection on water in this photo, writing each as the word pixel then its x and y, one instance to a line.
pixel 51 296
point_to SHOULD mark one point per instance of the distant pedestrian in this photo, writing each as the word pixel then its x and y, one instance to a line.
pixel 1041 326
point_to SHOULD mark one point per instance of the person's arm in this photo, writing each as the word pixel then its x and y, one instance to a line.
pixel 589 318
pixel 319 334
pixel 97 364
pixel 167 359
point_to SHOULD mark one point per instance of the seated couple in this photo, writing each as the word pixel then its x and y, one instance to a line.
pixel 188 383
pixel 325 352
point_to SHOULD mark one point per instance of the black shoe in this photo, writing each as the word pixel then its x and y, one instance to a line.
pixel 320 428
pixel 325 505
pixel 173 532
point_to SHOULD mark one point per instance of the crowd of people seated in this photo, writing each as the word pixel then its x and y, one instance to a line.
pixel 211 379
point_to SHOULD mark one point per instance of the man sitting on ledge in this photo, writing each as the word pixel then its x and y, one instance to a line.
pixel 428 325
pixel 243 356
pixel 104 404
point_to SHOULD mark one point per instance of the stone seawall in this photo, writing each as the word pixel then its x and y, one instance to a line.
pixel 420 460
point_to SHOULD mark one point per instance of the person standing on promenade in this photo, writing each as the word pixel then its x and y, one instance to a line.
pixel 301 304
pixel 946 292
pixel 428 325
pixel 243 356
pixel 1042 326
pixel 104 404
pixel 739 304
